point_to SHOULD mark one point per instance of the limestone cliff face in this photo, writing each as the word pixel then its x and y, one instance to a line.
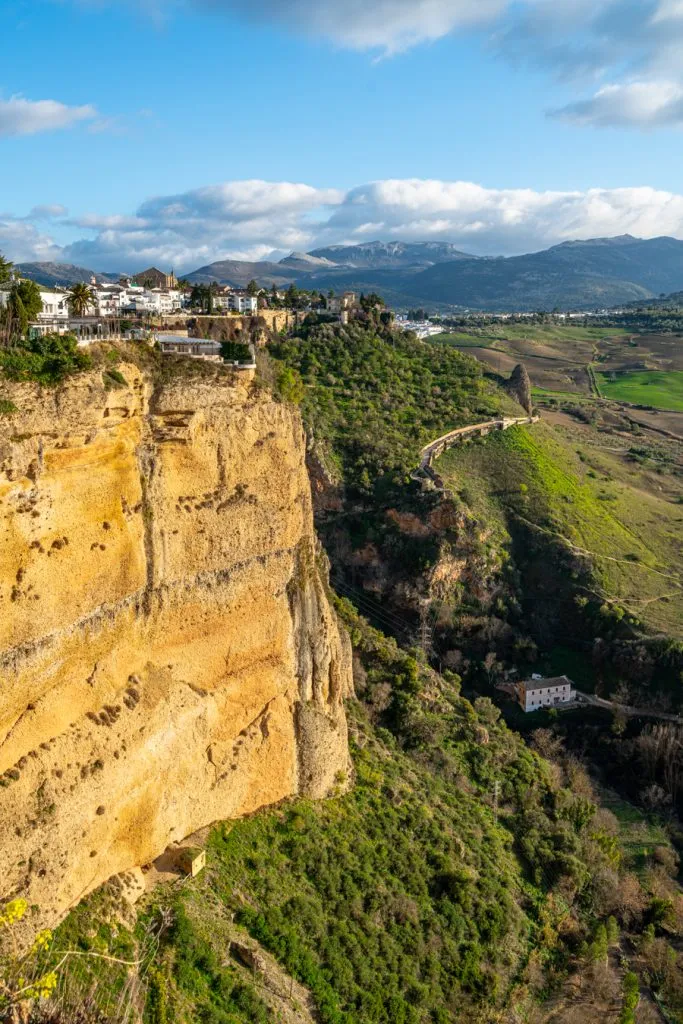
pixel 168 656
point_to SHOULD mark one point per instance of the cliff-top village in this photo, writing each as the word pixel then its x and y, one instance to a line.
pixel 112 309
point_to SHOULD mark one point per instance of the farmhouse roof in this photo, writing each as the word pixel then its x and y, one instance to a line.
pixel 545 684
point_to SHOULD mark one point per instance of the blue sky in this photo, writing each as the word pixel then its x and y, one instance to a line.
pixel 192 130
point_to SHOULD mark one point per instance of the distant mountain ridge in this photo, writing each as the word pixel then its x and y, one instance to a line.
pixel 53 274
pixel 238 274
pixel 387 255
pixel 581 274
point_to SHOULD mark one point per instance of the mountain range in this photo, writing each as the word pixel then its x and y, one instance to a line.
pixel 575 275
pixel 54 274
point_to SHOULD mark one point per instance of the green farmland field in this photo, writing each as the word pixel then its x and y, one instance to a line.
pixel 660 389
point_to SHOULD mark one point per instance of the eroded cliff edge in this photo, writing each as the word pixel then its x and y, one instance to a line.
pixel 168 656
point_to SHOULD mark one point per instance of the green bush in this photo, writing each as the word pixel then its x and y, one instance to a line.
pixel 45 360
pixel 375 396
pixel 289 385
pixel 235 352
pixel 631 998
pixel 113 378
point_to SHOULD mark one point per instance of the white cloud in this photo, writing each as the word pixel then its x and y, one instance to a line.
pixel 238 201
pixel 255 220
pixel 19 116
pixel 21 241
pixel 389 25
pixel 493 221
pixel 634 104
pixel 243 220
pixel 47 211
pixel 633 44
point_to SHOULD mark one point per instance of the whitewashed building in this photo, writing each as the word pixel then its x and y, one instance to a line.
pixel 109 298
pixel 536 693
pixel 55 306
pixel 242 303
pixel 118 299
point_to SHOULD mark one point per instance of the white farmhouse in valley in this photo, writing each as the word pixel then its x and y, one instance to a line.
pixel 537 692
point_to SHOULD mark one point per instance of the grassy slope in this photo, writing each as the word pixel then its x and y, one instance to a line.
pixel 593 500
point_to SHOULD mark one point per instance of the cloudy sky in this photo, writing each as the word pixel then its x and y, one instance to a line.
pixel 182 131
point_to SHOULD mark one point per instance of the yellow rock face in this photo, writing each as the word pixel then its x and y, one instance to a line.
pixel 168 656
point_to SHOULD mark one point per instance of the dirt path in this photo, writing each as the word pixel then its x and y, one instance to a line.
pixel 628 710
pixel 585 553
pixel 290 1002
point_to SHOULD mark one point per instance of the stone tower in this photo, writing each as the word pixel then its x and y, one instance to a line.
pixel 519 387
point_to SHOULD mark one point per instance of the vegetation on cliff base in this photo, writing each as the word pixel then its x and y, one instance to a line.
pixel 459 878
pixel 550 543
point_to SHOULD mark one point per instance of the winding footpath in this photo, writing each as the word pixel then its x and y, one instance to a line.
pixel 436 448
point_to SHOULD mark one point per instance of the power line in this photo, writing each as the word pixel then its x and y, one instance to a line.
pixel 367 606
pixel 367 610
pixel 381 612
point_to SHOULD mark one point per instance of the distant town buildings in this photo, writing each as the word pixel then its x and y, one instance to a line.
pixel 235 300
pixel 128 298
pixel 240 302
pixel 178 344
pixel 422 328
pixel 118 307
pixel 342 303
pixel 155 278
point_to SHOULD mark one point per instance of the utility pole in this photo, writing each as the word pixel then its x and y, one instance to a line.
pixel 425 633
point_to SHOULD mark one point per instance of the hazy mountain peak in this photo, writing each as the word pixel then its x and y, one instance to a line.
pixel 378 255
pixel 306 259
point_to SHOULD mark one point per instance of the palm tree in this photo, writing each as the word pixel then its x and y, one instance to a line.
pixel 81 299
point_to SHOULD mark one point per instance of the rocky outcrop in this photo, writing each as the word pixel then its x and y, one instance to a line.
pixel 519 386
pixel 168 655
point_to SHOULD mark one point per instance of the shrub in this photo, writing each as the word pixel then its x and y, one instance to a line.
pixel 113 378
pixel 290 385
pixel 47 360
pixel 631 998
pixel 235 352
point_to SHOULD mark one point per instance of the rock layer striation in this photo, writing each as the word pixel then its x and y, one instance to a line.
pixel 168 656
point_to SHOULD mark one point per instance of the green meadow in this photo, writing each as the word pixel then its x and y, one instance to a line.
pixel 658 388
